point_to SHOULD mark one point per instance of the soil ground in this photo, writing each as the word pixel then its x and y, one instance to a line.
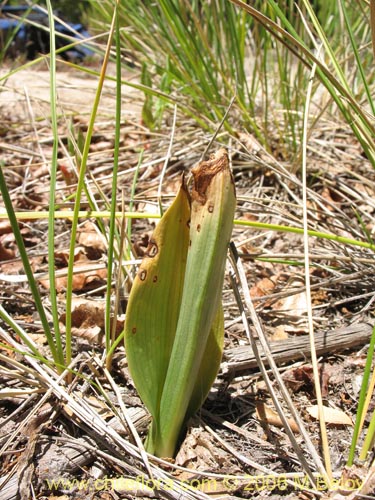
pixel 76 92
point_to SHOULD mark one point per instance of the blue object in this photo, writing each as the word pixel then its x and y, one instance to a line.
pixel 33 40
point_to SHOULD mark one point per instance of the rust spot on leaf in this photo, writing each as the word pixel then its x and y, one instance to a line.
pixel 152 248
pixel 198 228
pixel 155 279
pixel 134 330
pixel 142 274
pixel 210 208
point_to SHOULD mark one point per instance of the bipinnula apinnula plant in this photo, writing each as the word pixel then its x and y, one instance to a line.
pixel 174 328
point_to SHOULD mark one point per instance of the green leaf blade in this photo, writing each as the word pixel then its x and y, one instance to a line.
pixel 154 302
pixel 212 215
pixel 210 364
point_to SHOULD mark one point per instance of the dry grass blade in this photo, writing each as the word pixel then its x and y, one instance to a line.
pixel 239 272
pixel 85 416
pixel 129 423
pixel 314 359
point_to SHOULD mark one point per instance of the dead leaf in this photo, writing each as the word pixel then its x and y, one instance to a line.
pixel 6 253
pixel 198 449
pixel 39 172
pixel 5 227
pixel 59 497
pixel 38 338
pixel 9 352
pixel 294 305
pixel 267 415
pixel 86 313
pixel 86 280
pixel 279 333
pixel 194 450
pixel 90 237
pixel 68 173
pixel 88 320
pixel 302 377
pixel 332 197
pixel 62 256
pixel 99 406
pixel 263 287
pixel 30 237
pixel 332 416
pixel 319 297
pixel 12 268
pixel 293 308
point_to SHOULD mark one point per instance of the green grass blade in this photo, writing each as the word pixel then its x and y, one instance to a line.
pixel 327 46
pixel 56 354
pixel 132 194
pixel 336 84
pixel 362 398
pixel 79 191
pixel 7 318
pixel 53 176
pixel 357 57
pixel 372 21
pixel 369 439
pixel 11 35
pixel 66 214
pixel 112 222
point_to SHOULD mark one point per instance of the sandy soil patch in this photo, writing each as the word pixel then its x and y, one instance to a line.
pixel 75 90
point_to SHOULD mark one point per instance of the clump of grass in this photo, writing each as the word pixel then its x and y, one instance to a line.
pixel 202 54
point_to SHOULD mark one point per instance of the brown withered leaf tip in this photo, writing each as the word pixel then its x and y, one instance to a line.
pixel 205 171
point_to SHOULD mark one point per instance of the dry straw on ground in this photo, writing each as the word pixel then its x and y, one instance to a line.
pixel 85 431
